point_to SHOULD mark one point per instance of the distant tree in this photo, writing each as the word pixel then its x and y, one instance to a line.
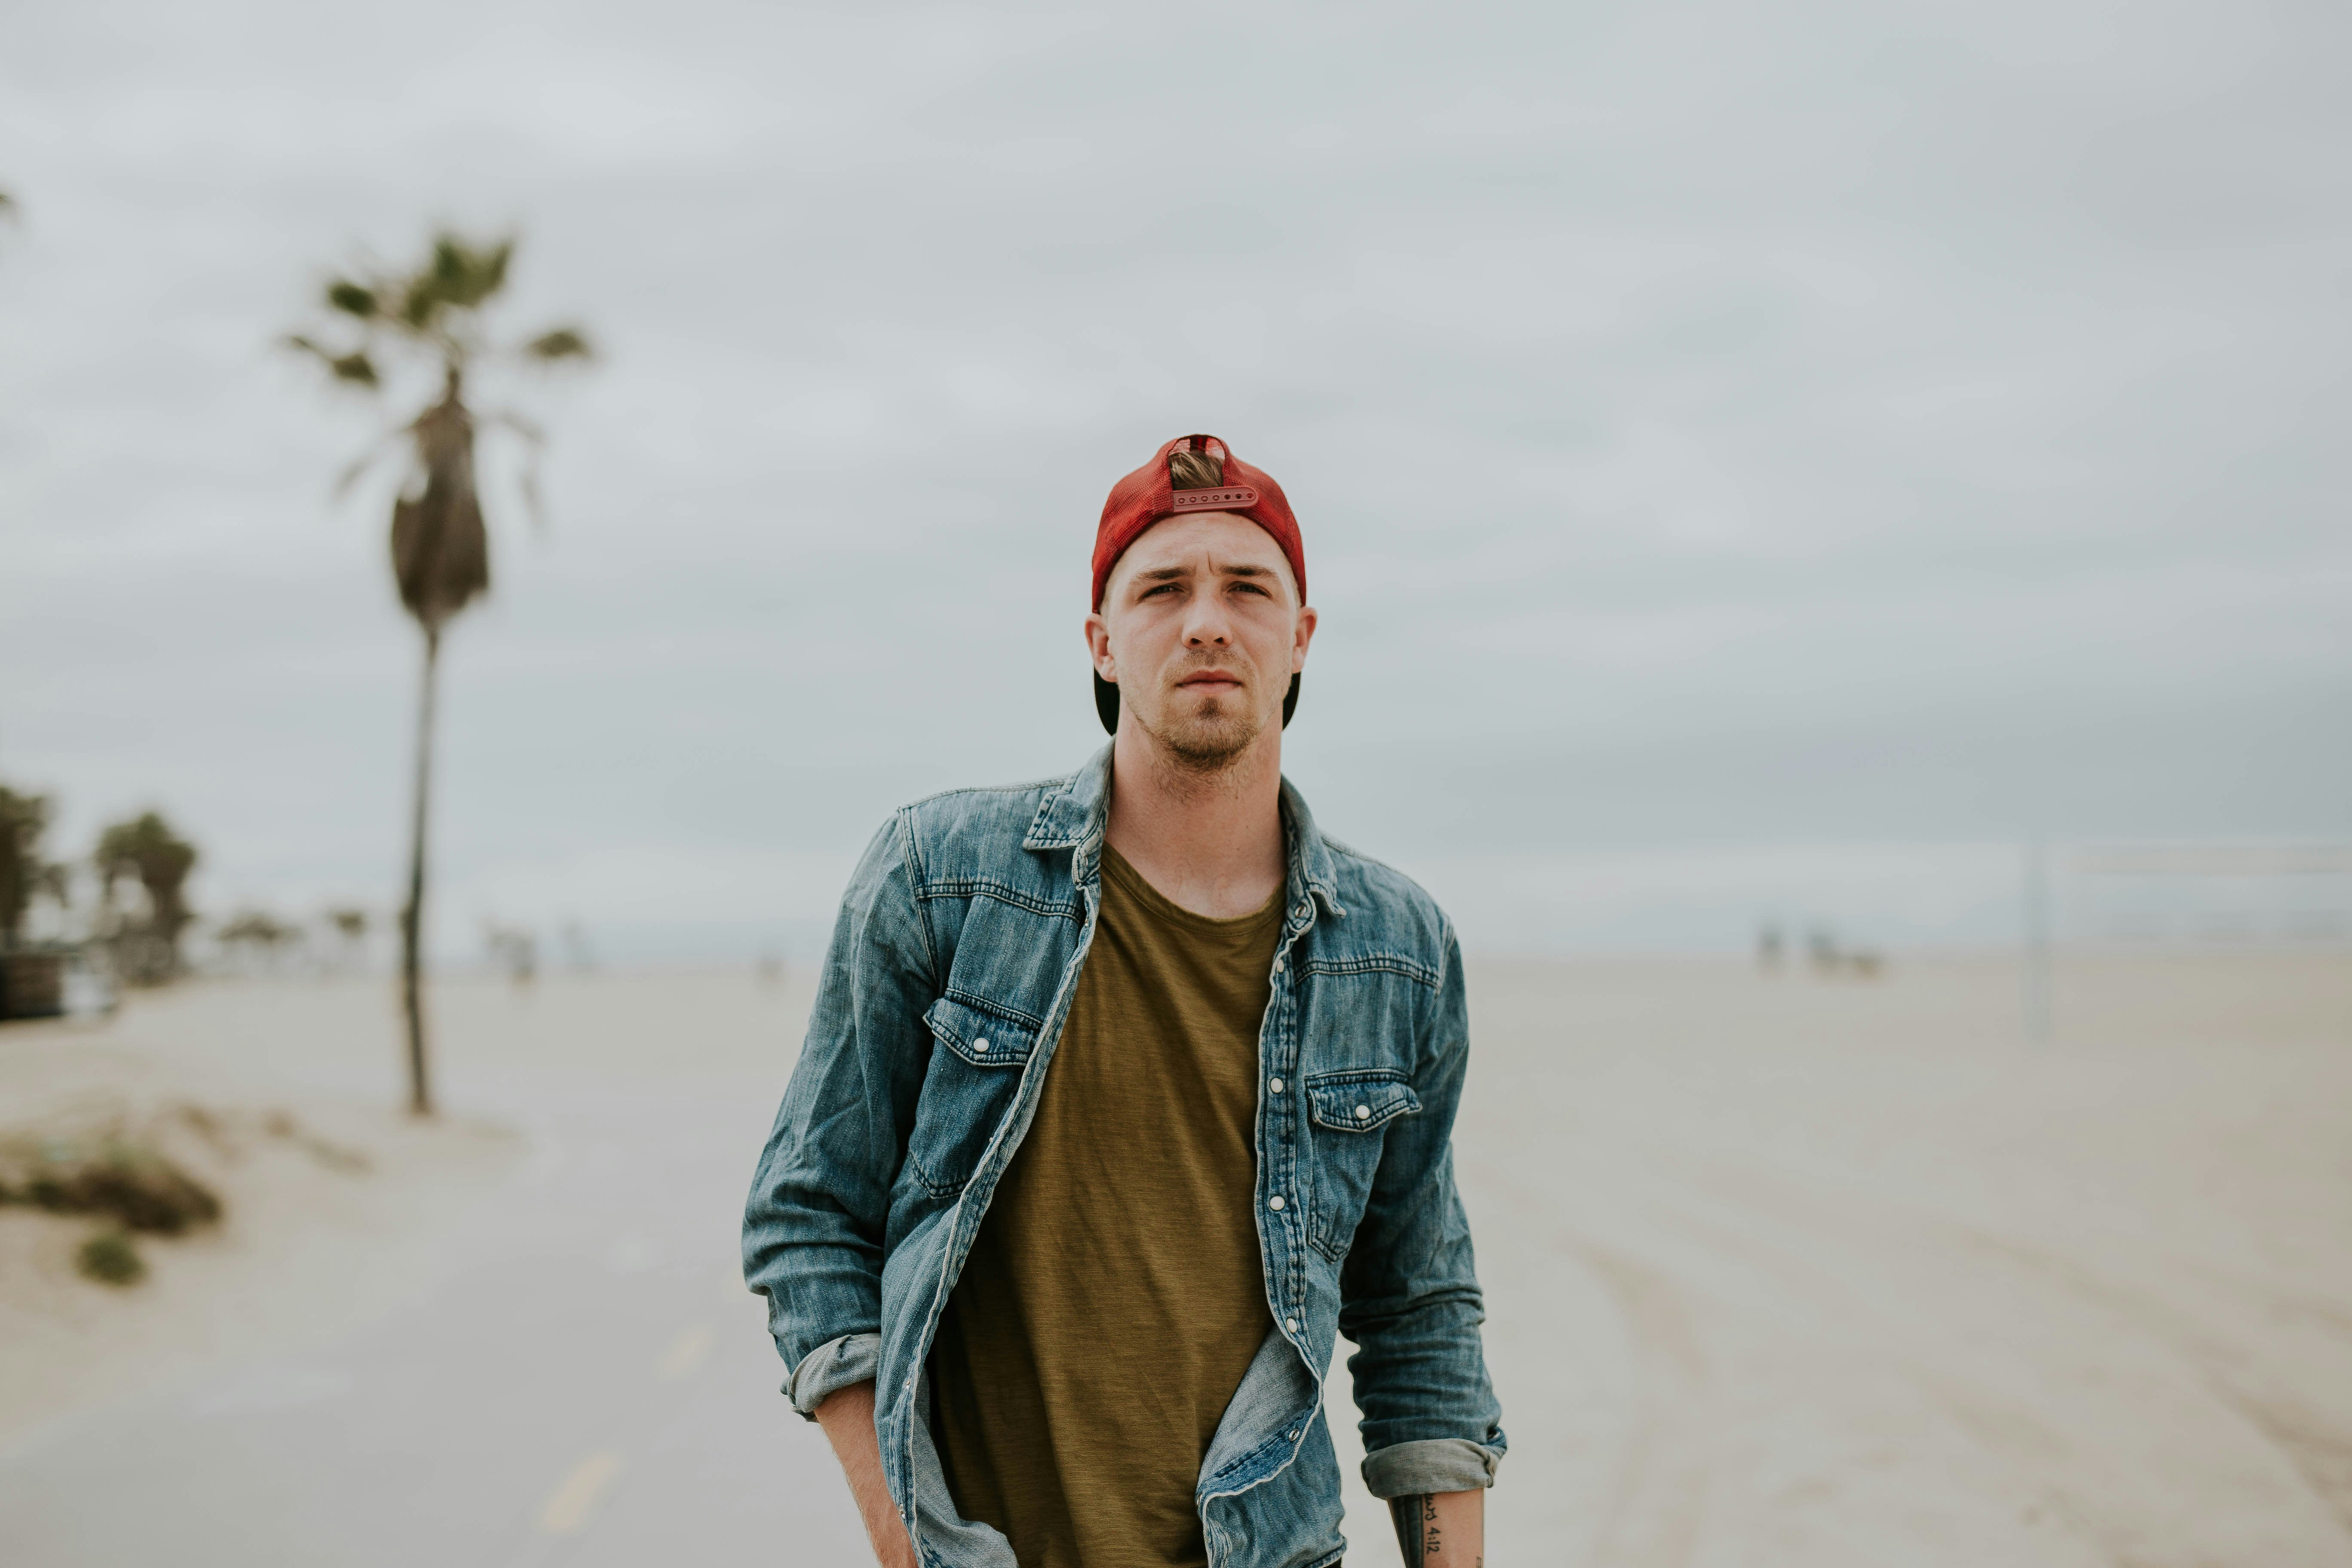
pixel 514 949
pixel 145 849
pixel 24 875
pixel 351 925
pixel 259 931
pixel 433 315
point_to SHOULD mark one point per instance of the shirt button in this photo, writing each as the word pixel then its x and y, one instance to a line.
pixel 1363 1113
pixel 1274 1202
pixel 1276 1086
pixel 1278 964
pixel 1290 1323
pixel 979 1045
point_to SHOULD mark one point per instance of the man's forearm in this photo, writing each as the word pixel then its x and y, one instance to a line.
pixel 847 1417
pixel 1441 1529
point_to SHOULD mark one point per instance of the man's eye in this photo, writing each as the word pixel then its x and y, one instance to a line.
pixel 1154 593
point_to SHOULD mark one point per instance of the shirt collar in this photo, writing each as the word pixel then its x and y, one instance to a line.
pixel 1076 810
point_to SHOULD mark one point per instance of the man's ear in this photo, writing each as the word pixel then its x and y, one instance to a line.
pixel 1096 631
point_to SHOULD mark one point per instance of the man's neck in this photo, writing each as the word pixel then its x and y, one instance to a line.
pixel 1210 842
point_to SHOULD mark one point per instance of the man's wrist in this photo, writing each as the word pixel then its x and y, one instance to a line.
pixel 1441 1529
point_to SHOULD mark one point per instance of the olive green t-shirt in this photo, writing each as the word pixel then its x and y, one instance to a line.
pixel 1114 1296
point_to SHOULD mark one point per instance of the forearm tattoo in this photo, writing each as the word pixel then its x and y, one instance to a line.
pixel 1416 1526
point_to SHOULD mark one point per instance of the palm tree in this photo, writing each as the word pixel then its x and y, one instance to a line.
pixel 145 849
pixel 24 875
pixel 260 931
pixel 432 316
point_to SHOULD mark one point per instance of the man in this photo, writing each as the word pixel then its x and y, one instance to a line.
pixel 1123 1095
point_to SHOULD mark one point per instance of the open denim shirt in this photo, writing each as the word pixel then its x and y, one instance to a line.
pixel 951 970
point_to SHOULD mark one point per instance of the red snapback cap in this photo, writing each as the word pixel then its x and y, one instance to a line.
pixel 1149 494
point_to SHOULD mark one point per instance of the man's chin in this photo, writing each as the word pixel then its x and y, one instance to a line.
pixel 1210 736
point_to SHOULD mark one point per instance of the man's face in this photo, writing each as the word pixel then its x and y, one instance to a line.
pixel 1201 629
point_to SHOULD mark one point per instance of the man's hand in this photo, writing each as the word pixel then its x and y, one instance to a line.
pixel 1441 1529
pixel 847 1417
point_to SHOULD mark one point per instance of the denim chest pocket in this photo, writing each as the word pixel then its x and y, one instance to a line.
pixel 1350 1110
pixel 973 1075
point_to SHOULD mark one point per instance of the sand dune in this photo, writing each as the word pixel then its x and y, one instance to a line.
pixel 335 1203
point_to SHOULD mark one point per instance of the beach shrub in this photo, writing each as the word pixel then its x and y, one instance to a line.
pixel 139 1188
pixel 134 1173
pixel 111 1257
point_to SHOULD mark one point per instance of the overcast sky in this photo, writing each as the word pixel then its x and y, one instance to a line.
pixel 1752 460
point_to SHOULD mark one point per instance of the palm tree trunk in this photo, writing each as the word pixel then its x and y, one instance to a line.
pixel 412 917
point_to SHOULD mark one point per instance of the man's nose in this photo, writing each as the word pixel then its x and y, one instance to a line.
pixel 1207 625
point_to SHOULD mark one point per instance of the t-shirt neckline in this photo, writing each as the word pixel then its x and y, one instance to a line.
pixel 1160 904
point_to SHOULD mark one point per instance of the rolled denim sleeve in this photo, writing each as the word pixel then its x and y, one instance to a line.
pixel 813 1226
pixel 833 1365
pixel 1409 1293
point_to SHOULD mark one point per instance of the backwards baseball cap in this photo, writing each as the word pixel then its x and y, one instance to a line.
pixel 1152 494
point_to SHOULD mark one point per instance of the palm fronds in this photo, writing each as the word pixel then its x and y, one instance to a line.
pixel 464 275
pixel 432 311
pixel 351 298
pixel 356 366
pixel 564 342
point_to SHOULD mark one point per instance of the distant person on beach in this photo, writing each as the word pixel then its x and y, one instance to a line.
pixel 1124 1094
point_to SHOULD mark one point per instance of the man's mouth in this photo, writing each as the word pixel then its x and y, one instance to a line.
pixel 1211 680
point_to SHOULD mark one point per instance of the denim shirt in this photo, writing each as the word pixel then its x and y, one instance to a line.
pixel 951 969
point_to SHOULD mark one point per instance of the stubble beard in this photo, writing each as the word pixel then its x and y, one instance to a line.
pixel 1207 742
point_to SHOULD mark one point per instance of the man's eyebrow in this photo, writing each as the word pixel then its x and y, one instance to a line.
pixel 1170 573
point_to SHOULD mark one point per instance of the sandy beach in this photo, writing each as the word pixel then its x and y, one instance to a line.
pixel 335 1203
pixel 1781 1269
pixel 1786 1271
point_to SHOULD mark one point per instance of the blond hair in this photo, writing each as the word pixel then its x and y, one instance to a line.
pixel 1195 471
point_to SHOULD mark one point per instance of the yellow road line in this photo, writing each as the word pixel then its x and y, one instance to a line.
pixel 686 1352
pixel 568 1506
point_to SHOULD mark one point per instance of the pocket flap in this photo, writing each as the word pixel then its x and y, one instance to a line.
pixel 984 1039
pixel 1359 1101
